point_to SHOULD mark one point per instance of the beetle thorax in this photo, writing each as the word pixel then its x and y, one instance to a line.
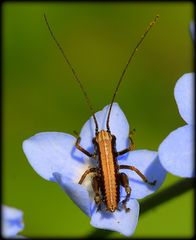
pixel 103 136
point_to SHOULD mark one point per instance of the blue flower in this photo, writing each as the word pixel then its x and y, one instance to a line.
pixel 53 156
pixel 12 222
pixel 176 151
pixel 192 30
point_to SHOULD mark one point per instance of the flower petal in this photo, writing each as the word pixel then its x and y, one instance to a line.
pixel 119 221
pixel 148 163
pixel 12 221
pixel 184 95
pixel 192 30
pixel 76 192
pixel 51 152
pixel 118 126
pixel 176 152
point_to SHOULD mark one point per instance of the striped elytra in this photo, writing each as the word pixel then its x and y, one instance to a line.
pixel 105 143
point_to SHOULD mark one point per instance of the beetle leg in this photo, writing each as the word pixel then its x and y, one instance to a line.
pixel 132 132
pixel 125 183
pixel 77 144
pixel 96 188
pixel 131 145
pixel 90 170
pixel 139 173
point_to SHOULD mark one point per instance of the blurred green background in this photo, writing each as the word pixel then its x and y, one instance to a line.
pixel 40 94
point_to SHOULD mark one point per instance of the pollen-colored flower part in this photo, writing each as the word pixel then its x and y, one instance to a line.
pixel 54 157
pixel 12 221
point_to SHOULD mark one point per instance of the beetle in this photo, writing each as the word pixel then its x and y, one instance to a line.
pixel 107 178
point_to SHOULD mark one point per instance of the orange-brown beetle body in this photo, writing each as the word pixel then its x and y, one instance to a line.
pixel 107 178
pixel 105 145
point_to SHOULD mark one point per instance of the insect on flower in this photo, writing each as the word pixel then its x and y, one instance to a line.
pixel 107 179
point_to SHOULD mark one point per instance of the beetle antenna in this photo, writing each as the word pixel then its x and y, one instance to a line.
pixel 74 73
pixel 126 66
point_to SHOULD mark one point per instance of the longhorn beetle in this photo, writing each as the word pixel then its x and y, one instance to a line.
pixel 107 179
